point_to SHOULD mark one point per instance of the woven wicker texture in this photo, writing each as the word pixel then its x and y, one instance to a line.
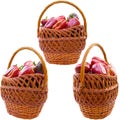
pixel 95 93
pixel 25 96
pixel 62 46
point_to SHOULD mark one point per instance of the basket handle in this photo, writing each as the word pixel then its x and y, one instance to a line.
pixel 39 56
pixel 61 1
pixel 84 59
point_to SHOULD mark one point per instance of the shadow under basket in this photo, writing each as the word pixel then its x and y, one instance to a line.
pixel 62 46
pixel 95 93
pixel 24 96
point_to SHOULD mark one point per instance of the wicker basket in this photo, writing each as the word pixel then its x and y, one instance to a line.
pixel 95 93
pixel 25 96
pixel 62 46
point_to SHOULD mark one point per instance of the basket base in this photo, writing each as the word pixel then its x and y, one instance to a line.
pixel 62 58
pixel 25 112
pixel 98 112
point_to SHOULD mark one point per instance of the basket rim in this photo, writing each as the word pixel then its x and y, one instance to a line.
pixel 104 89
pixel 66 29
pixel 62 38
pixel 61 31
pixel 115 76
pixel 101 90
pixel 24 88
pixel 22 76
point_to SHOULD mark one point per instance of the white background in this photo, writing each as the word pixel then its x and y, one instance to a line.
pixel 18 27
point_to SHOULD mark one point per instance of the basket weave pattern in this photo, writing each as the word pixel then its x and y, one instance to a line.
pixel 64 45
pixel 62 39
pixel 25 81
pixel 23 111
pixel 95 93
pixel 19 91
pixel 25 96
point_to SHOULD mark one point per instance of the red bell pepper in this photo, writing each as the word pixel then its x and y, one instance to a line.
pixel 57 23
pixel 73 22
pixel 13 71
pixel 29 63
pixel 98 68
pixel 60 24
pixel 50 22
pixel 26 70
pixel 87 67
pixel 61 17
pixel 97 59
pixel 43 22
